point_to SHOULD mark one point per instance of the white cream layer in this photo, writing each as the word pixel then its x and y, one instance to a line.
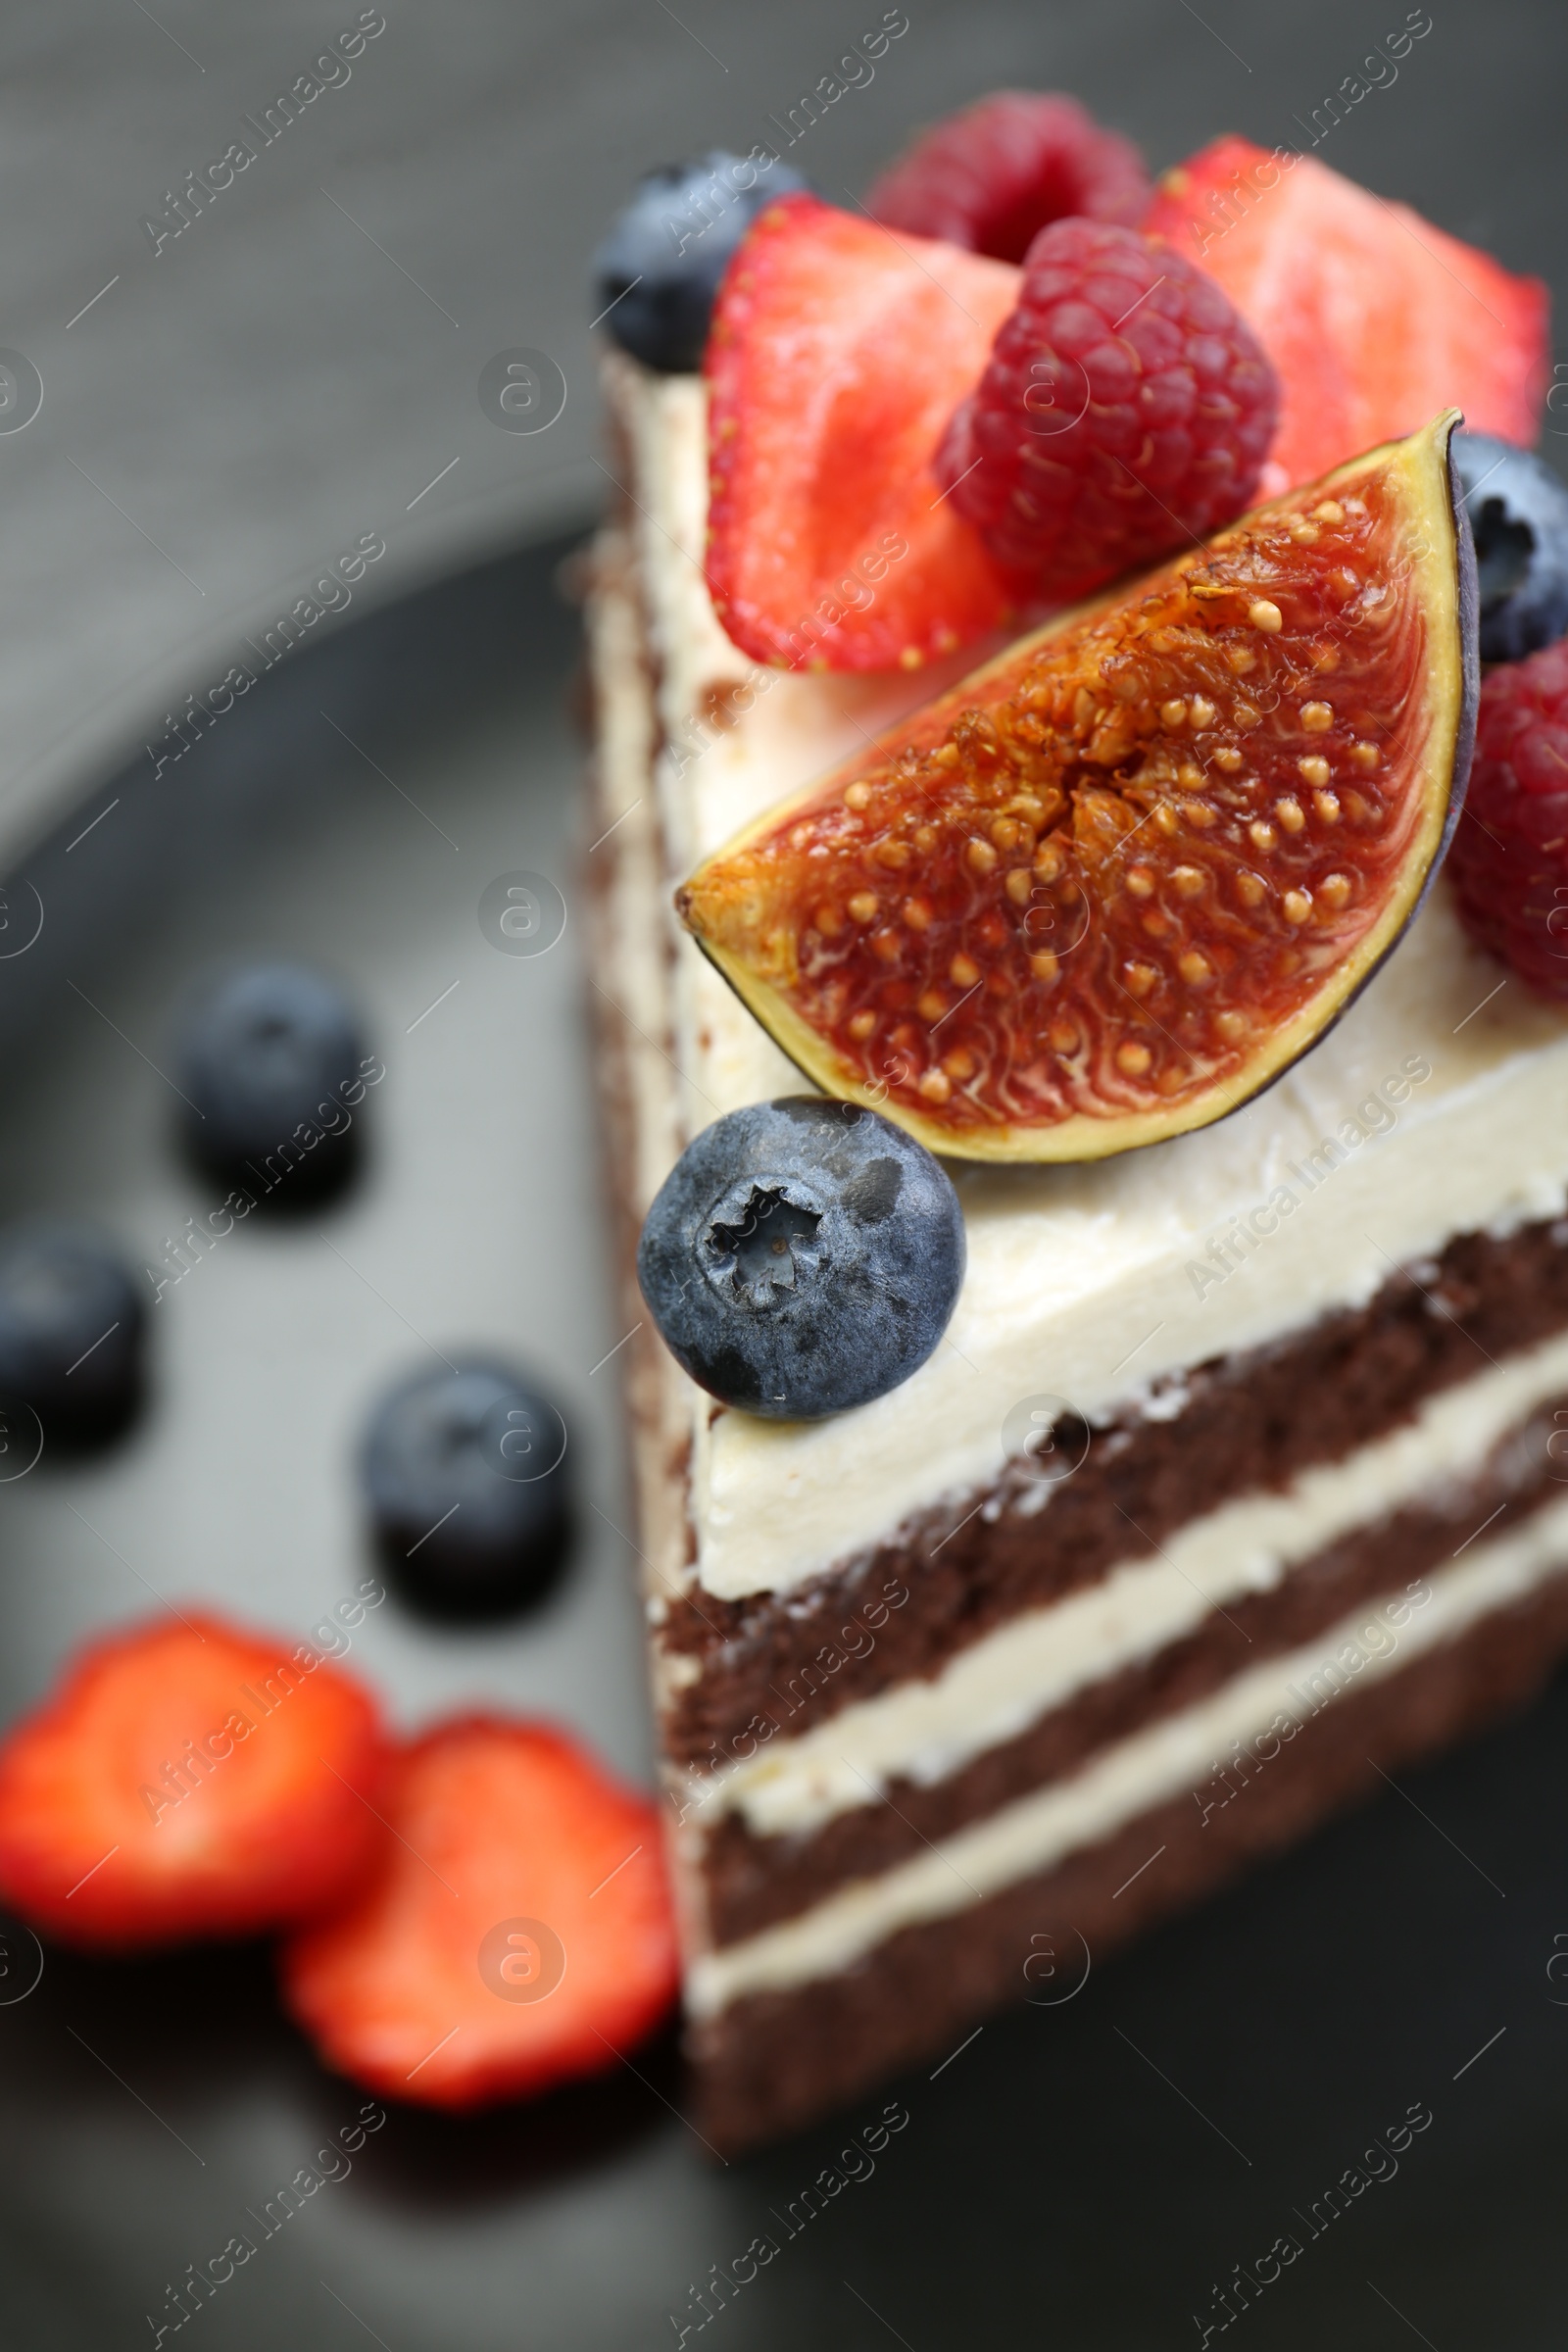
pixel 1146 1770
pixel 1080 1281
pixel 923 1731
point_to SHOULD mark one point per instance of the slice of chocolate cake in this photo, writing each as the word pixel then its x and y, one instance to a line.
pixel 1239 1479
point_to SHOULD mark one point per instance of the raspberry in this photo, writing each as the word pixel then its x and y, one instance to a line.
pixel 1126 406
pixel 991 177
pixel 1509 860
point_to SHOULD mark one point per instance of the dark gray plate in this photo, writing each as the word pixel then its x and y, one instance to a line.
pixel 1085 2172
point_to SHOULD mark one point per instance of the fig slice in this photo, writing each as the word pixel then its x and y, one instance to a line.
pixel 1122 878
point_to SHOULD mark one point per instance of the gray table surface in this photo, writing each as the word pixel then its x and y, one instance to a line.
pixel 295 369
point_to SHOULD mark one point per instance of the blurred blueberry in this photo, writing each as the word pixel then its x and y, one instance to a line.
pixel 803 1257
pixel 465 1482
pixel 73 1325
pixel 272 1061
pixel 660 264
pixel 1518 511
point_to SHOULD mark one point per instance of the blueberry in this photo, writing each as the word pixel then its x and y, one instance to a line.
pixel 466 1486
pixel 72 1330
pixel 273 1065
pixel 661 261
pixel 1518 511
pixel 803 1257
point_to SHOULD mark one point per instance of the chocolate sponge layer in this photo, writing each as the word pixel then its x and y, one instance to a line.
pixel 752 1882
pixel 773 2062
pixel 1249 1422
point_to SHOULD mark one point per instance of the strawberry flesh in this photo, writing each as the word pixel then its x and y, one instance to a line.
pixel 837 354
pixel 519 1931
pixel 1373 319
pixel 189 1778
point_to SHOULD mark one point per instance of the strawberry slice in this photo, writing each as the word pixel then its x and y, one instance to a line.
pixel 189 1778
pixel 837 354
pixel 1373 319
pixel 518 1933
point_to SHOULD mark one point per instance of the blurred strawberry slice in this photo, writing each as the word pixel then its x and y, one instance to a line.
pixel 838 352
pixel 518 1933
pixel 1372 317
pixel 189 1779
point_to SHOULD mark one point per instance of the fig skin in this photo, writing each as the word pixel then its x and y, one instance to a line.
pixel 1410 631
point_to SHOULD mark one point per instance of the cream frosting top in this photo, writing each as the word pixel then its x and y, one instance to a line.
pixel 1439 1106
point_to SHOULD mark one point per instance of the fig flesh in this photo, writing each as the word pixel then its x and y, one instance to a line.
pixel 1121 878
